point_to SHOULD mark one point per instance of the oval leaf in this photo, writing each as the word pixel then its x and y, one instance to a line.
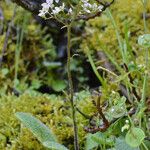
pixel 90 144
pixel 101 139
pixel 144 40
pixel 40 130
pixel 122 145
pixel 134 137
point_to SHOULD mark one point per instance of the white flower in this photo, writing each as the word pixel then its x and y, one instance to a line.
pixel 126 126
pixel 113 92
pixel 56 10
pixel 57 1
pixel 87 5
pixel 127 121
pixel 94 6
pixel 49 2
pixel 70 11
pixel 41 14
pixel 45 7
pixel 90 7
pixel 112 110
pixel 100 8
pixel 87 10
pixel 44 10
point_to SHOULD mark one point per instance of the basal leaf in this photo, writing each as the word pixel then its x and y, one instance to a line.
pixel 41 131
pixel 122 145
pixel 134 137
pixel 101 139
pixel 90 144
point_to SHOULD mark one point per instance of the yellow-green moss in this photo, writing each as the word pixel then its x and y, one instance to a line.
pixel 101 35
pixel 52 111
pixel 34 50
pixel 100 32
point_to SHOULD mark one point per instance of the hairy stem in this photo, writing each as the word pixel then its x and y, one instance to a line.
pixel 146 55
pixel 71 89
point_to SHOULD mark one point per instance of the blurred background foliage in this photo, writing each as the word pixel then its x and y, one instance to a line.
pixel 115 34
pixel 37 57
pixel 31 61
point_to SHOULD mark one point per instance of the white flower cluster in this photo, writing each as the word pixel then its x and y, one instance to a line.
pixel 49 5
pixel 88 7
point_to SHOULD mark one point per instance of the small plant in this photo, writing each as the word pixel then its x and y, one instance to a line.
pixel 114 116
pixel 68 14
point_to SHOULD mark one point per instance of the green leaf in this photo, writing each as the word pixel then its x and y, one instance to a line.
pixel 101 139
pixel 134 137
pixel 58 85
pixel 119 109
pixel 5 71
pixel 122 145
pixel 90 144
pixel 144 40
pixel 35 84
pixel 41 131
pixel 54 145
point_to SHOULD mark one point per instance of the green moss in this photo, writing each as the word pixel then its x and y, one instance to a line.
pixel 52 111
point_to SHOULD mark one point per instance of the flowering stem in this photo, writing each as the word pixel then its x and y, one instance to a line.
pixel 146 56
pixel 71 89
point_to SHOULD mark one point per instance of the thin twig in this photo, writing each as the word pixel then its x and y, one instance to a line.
pixel 105 121
pixel 83 114
pixel 103 127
